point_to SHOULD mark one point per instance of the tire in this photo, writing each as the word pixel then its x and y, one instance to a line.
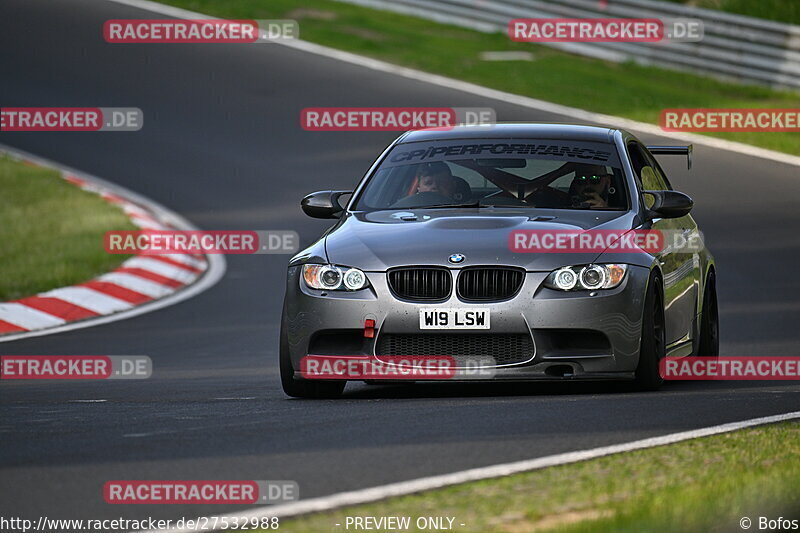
pixel 653 344
pixel 708 346
pixel 302 388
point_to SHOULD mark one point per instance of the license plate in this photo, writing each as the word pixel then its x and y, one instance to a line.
pixel 452 318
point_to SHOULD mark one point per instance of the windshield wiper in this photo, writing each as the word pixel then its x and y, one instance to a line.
pixel 444 206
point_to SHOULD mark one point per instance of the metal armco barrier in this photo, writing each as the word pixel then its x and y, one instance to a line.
pixel 735 47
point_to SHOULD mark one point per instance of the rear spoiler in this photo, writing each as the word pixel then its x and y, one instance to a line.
pixel 673 150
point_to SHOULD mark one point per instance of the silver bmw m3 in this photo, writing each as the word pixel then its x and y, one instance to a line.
pixel 514 252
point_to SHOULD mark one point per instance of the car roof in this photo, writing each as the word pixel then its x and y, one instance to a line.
pixel 527 130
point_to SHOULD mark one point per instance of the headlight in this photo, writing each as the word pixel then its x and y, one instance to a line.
pixel 334 278
pixel 586 277
pixel 565 279
pixel 354 279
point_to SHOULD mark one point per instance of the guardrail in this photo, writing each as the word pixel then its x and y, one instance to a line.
pixel 734 47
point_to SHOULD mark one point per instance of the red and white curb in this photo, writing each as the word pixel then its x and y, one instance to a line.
pixel 140 284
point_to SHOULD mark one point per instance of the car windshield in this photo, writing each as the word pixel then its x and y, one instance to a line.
pixel 553 174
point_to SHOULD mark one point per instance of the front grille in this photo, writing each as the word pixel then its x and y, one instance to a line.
pixel 420 283
pixel 505 349
pixel 489 283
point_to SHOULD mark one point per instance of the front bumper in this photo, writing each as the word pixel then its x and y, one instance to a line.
pixel 575 335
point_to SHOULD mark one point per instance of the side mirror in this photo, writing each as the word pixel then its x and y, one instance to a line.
pixel 667 204
pixel 323 204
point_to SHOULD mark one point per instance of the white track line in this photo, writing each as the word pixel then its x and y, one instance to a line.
pixel 214 270
pixel 524 101
pixel 357 497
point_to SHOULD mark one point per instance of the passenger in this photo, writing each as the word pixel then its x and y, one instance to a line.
pixel 590 186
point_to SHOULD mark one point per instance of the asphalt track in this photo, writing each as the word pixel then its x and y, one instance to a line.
pixel 222 146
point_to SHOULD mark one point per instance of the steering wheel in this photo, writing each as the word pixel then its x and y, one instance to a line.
pixel 557 194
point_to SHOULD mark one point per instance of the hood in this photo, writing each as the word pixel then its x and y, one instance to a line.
pixel 379 240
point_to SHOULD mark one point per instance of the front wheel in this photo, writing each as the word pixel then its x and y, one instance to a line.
pixel 653 344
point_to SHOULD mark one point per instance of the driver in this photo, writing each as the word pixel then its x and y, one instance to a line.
pixel 590 186
pixel 436 177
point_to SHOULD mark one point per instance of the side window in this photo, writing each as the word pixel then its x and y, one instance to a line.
pixel 660 176
pixel 649 175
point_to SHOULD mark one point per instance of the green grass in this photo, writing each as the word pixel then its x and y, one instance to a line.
pixel 780 10
pixel 627 89
pixel 703 485
pixel 51 231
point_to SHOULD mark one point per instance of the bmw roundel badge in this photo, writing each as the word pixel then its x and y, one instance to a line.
pixel 456 258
